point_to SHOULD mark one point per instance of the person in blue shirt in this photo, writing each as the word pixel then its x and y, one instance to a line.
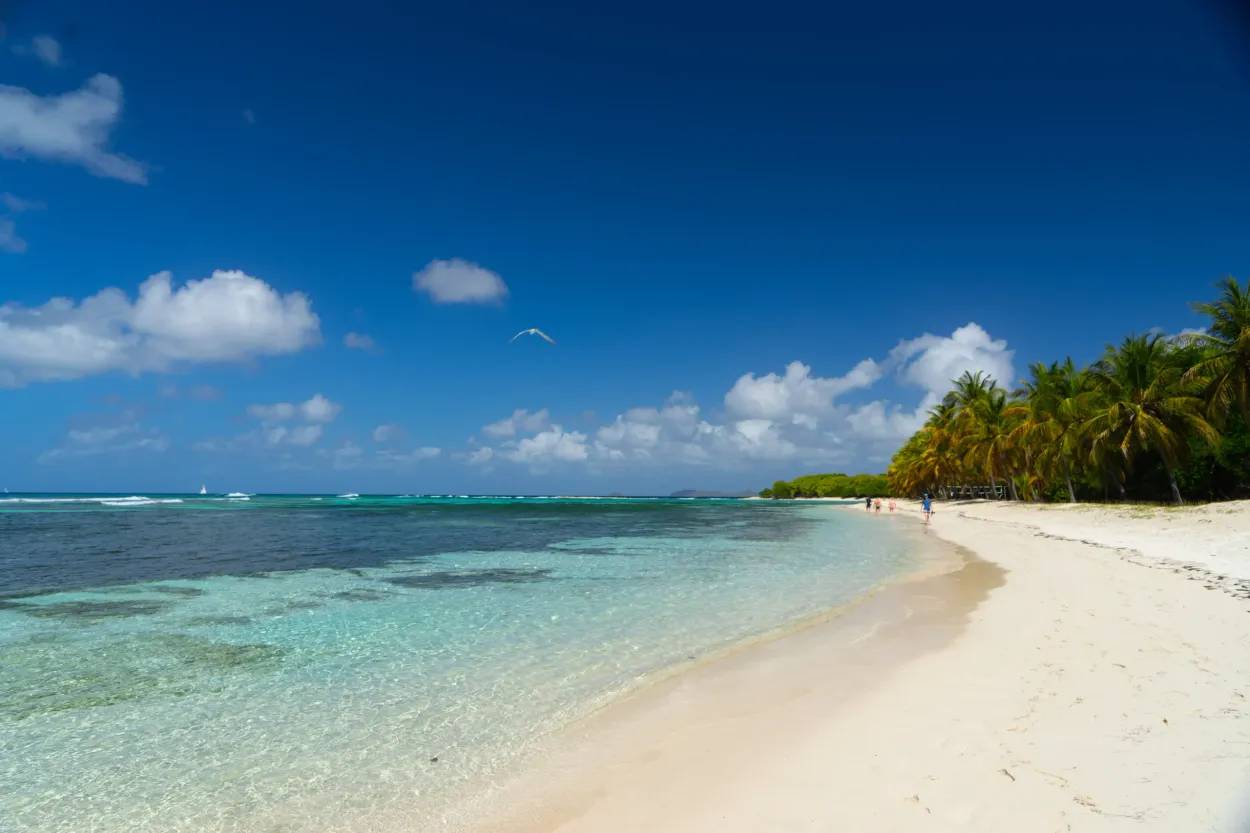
pixel 926 504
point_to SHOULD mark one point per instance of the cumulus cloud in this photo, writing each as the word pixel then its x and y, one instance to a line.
pixel 9 239
pixel 795 415
pixel 932 362
pixel 316 408
pixel 521 421
pixel 229 316
pixel 797 392
pixel 359 341
pixel 552 445
pixel 72 127
pixel 458 281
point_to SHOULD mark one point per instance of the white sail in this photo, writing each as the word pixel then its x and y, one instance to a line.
pixel 203 489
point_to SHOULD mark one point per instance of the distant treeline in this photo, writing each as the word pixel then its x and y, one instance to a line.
pixel 829 485
pixel 1154 418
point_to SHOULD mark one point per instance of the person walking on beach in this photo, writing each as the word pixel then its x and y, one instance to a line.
pixel 877 504
pixel 891 504
pixel 926 504
pixel 867 504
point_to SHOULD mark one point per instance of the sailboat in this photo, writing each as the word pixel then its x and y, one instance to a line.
pixel 203 490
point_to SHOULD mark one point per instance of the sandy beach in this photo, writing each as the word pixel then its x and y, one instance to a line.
pixel 1069 669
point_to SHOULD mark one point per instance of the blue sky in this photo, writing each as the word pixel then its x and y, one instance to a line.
pixel 687 197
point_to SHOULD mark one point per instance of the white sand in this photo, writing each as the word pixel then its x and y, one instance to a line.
pixel 1080 687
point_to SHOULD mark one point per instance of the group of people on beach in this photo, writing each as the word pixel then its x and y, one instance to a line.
pixel 926 505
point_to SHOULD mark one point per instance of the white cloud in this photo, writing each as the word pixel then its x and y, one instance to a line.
pixel 320 409
pixel 9 239
pixel 794 416
pixel 521 421
pixel 359 341
pixel 72 127
pixel 553 445
pixel 229 316
pixel 387 433
pixel 884 421
pixel 277 412
pixel 350 456
pixel 304 435
pixel 933 362
pixel 797 392
pixel 128 436
pixel 458 281
pixel 315 409
pixel 47 49
pixel 299 435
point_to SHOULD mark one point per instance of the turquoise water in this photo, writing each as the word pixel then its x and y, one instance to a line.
pixel 297 663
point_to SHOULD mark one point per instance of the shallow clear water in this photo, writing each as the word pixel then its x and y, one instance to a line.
pixel 295 663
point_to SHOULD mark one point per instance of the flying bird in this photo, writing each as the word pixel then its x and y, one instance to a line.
pixel 533 331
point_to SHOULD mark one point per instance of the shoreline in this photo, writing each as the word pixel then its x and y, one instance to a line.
pixel 856 721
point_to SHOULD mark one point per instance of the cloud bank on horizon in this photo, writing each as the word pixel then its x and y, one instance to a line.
pixel 794 415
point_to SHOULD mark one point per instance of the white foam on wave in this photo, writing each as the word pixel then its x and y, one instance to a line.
pixel 131 500
pixel 350 496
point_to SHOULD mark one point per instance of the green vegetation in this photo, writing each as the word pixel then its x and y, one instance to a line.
pixel 830 485
pixel 1154 418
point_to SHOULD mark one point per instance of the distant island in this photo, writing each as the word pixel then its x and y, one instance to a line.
pixel 834 484
pixel 707 493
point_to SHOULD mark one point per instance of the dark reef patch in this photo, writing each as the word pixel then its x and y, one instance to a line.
pixel 87 611
pixel 218 620
pixel 176 590
pixel 473 578
pixel 292 606
pixel 74 673
pixel 361 594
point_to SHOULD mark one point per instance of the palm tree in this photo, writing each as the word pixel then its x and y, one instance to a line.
pixel 1056 398
pixel 1225 370
pixel 987 423
pixel 969 388
pixel 1143 406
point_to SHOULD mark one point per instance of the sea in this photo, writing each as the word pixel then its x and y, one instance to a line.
pixel 300 663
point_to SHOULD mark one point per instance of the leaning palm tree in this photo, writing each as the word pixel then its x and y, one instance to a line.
pixel 1225 369
pixel 1143 406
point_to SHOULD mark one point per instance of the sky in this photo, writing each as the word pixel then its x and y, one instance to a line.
pixel 284 247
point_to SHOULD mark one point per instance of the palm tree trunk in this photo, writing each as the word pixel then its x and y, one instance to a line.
pixel 1011 488
pixel 1067 478
pixel 1176 492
